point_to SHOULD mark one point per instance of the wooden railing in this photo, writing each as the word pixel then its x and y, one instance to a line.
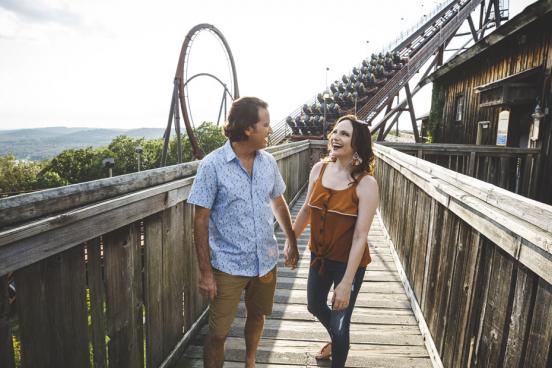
pixel 478 260
pixel 514 169
pixel 105 272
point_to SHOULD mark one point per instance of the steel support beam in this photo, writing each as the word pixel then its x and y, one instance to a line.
pixel 412 114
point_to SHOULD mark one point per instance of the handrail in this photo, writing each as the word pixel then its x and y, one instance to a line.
pixel 95 206
pixel 459 149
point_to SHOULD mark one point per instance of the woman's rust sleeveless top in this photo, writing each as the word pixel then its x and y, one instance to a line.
pixel 333 218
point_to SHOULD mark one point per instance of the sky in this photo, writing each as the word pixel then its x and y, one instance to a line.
pixel 111 63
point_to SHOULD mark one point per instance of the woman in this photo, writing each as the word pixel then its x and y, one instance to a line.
pixel 341 202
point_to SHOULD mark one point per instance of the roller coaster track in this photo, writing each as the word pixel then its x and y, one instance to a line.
pixel 428 40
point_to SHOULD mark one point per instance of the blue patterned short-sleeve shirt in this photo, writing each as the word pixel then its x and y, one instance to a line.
pixel 241 232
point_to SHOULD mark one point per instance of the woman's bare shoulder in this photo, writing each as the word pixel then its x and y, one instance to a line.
pixel 367 184
pixel 315 171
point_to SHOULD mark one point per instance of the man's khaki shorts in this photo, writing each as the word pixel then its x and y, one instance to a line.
pixel 259 296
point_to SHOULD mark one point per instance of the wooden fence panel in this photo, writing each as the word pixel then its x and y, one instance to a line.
pixel 123 296
pixel 485 292
pixel 126 277
pixel 51 302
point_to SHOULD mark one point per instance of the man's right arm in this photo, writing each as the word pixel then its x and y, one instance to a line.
pixel 207 284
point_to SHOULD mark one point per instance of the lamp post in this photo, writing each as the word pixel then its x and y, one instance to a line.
pixel 108 163
pixel 138 151
pixel 537 117
pixel 325 96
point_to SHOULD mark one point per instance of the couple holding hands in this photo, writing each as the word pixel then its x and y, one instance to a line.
pixel 238 191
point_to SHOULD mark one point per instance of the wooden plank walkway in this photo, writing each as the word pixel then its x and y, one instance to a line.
pixel 384 332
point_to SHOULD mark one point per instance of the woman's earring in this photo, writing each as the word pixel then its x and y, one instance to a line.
pixel 357 160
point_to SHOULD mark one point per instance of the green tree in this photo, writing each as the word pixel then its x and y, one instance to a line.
pixel 79 165
pixel 17 176
pixel 209 136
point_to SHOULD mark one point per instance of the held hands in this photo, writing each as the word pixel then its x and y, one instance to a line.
pixel 291 253
pixel 207 284
pixel 341 296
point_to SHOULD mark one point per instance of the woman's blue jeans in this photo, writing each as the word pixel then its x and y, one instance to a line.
pixel 336 322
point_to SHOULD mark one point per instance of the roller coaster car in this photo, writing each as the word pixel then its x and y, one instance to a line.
pixel 315 108
pixel 291 123
pixel 379 71
pixel 304 129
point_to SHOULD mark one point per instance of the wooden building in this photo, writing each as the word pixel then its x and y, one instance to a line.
pixel 498 92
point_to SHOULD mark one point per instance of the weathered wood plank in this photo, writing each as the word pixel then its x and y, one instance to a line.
pixel 124 317
pixel 455 302
pixel 302 353
pixel 462 297
pixel 361 315
pixel 519 319
pixel 362 334
pixel 496 313
pixel 97 302
pixel 153 272
pixel 539 341
pixel 172 279
pixel 51 307
pixel 446 269
pixel 432 265
pixel 6 346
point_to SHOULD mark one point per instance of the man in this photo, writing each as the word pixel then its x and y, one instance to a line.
pixel 237 190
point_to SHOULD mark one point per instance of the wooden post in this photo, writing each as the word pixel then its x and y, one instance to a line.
pixel 471 168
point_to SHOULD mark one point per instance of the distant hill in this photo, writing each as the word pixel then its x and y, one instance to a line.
pixel 44 143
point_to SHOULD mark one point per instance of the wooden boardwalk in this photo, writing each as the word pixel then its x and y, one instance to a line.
pixel 384 332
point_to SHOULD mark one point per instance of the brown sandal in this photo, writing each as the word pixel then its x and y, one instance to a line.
pixel 325 353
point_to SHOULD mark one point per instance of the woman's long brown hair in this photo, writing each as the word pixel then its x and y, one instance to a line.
pixel 361 141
